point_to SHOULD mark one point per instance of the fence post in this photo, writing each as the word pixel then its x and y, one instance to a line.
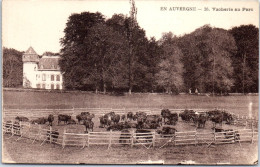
pixel 50 134
pixel 252 135
pixel 63 139
pixel 214 137
pixel 132 138
pixel 110 138
pixel 88 139
pixel 12 128
pixel 174 138
pixel 154 139
pixel 196 140
pixel 20 127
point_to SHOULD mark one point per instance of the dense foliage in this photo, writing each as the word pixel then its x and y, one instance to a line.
pixel 101 54
pixel 12 68
pixel 95 56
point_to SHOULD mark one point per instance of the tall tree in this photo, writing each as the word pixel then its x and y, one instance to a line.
pixel 246 60
pixel 131 28
pixel 170 72
pixel 207 59
pixel 108 48
pixel 135 61
pixel 75 50
pixel 12 68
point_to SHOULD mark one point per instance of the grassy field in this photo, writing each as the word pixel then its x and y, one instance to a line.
pixel 235 104
pixel 220 154
pixel 25 152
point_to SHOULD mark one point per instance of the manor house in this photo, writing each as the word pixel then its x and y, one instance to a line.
pixel 42 72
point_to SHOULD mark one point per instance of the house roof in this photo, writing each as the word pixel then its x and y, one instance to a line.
pixel 30 51
pixel 49 63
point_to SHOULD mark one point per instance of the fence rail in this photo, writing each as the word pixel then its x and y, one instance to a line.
pixel 131 138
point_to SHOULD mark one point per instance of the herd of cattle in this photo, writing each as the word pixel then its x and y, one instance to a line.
pixel 139 120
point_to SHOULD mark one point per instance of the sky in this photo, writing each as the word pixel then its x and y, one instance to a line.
pixel 40 24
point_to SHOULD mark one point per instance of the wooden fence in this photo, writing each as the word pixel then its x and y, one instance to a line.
pixel 131 138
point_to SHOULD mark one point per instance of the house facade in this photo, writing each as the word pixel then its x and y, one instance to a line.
pixel 42 72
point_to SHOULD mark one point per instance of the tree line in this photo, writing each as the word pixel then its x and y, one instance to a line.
pixel 111 54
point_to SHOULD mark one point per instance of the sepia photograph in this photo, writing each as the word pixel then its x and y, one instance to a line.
pixel 130 82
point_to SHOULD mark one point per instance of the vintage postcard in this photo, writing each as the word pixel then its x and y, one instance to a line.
pixel 130 82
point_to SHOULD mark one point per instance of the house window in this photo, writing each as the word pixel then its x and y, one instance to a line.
pixel 58 78
pixel 57 86
pixel 52 86
pixel 44 77
pixel 52 77
pixel 43 86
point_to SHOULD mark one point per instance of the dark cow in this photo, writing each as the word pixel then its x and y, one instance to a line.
pixel 125 136
pixel 64 118
pixel 140 121
pixel 165 113
pixel 167 131
pixel 52 135
pixel 71 122
pixel 41 120
pixel 187 115
pixel 50 119
pixel 130 116
pixel 22 118
pixel 104 121
pixel 228 117
pixel 89 125
pixel 123 117
pixel 85 116
pixel 218 118
pixel 172 119
pixel 202 121
pixel 115 119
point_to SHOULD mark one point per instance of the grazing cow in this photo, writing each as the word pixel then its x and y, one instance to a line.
pixel 64 118
pixel 227 117
pixel 130 116
pixel 116 119
pixel 52 135
pixel 50 119
pixel 167 131
pixel 125 136
pixel 172 119
pixel 123 117
pixel 140 121
pixel 187 115
pixel 202 121
pixel 104 121
pixel 22 118
pixel 41 120
pixel 89 125
pixel 218 118
pixel 84 116
pixel 165 114
pixel 84 113
pixel 71 122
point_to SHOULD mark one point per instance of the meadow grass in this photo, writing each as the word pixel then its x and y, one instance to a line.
pixel 56 100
